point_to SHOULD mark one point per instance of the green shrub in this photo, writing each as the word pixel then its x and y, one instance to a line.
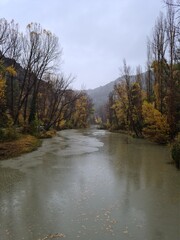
pixel 8 134
pixel 33 128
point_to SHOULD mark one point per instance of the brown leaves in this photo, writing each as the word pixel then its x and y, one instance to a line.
pixel 53 236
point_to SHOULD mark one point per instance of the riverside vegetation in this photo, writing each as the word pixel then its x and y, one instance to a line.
pixel 36 98
pixel 148 104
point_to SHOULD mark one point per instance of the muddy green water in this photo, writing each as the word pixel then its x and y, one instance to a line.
pixel 90 185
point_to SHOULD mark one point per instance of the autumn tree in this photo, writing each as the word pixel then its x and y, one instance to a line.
pixel 156 127
pixel 118 114
pixel 125 103
pixel 3 92
pixel 83 111
pixel 137 101
pixel 132 103
pixel 2 96
pixel 165 45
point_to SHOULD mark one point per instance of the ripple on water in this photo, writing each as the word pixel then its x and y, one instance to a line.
pixel 9 177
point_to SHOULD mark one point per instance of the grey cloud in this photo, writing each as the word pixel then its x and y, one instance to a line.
pixel 95 35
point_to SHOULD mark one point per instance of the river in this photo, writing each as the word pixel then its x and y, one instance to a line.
pixel 91 185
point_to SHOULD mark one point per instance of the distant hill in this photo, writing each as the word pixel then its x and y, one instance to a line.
pixel 100 94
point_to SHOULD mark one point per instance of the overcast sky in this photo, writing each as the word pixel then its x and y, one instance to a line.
pixel 96 35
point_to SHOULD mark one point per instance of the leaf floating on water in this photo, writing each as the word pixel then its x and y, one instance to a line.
pixel 125 231
pixel 83 226
pixel 139 226
pixel 52 236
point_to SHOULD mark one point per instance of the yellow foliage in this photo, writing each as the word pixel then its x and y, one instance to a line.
pixel 62 124
pixel 3 70
pixel 120 106
pixel 156 126
pixel 2 83
pixel 81 112
pixel 11 70
pixel 120 109
pixel 2 90
pixel 98 120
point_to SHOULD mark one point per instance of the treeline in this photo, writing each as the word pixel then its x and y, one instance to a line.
pixel 32 91
pixel 149 104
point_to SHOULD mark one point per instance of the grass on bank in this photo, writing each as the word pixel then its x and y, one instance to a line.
pixel 14 148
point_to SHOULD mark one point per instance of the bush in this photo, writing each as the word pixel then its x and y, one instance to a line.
pixel 175 153
pixel 8 134
pixel 155 127
pixel 33 128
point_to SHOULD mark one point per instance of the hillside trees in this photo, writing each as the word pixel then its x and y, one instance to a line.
pixel 39 51
pixel 126 103
pixel 150 105
pixel 165 65
pixel 32 90
pixel 10 47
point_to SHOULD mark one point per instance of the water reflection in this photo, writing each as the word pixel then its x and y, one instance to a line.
pixel 91 185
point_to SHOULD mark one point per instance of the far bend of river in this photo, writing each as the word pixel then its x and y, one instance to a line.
pixel 91 185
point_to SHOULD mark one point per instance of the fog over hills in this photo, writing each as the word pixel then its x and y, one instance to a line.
pixel 100 94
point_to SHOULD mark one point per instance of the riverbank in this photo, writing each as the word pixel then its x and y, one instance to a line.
pixel 24 144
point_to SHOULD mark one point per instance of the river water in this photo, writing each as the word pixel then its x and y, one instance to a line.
pixel 90 185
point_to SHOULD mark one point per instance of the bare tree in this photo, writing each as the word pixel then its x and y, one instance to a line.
pixel 149 75
pixel 139 77
pixel 159 46
pixel 39 53
pixel 4 31
pixel 128 84
pixel 47 55
pixel 59 99
pixel 13 53
pixel 171 37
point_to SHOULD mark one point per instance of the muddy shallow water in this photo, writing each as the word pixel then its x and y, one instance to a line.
pixel 90 185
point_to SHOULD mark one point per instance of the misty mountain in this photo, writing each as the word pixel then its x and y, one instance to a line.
pixel 100 94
